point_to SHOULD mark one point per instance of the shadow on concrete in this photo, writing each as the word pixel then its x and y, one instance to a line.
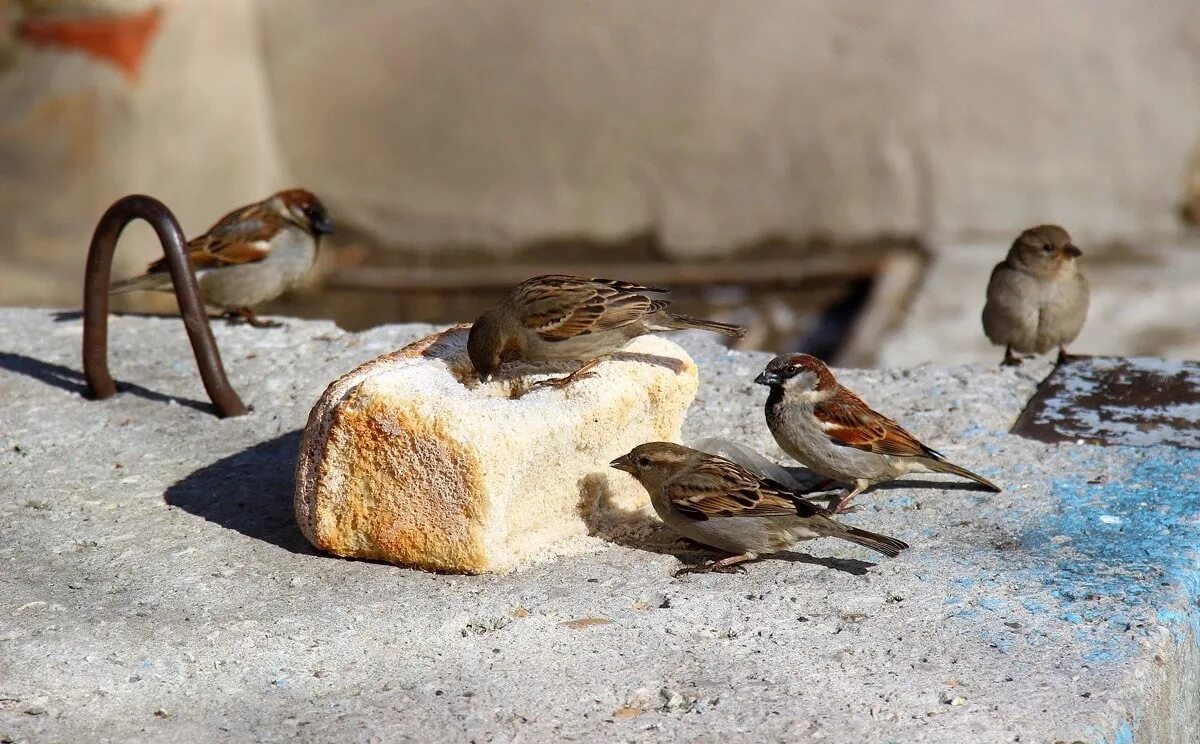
pixel 73 381
pixel 249 492
pixel 639 530
pixel 946 485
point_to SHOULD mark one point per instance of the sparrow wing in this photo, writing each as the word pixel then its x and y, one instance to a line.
pixel 559 307
pixel 850 422
pixel 716 487
pixel 240 237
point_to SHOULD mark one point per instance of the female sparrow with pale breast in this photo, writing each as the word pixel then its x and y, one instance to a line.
pixel 250 256
pixel 831 431
pixel 1037 298
pixel 721 504
pixel 558 318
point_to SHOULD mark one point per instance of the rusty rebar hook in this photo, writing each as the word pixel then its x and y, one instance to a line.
pixel 183 278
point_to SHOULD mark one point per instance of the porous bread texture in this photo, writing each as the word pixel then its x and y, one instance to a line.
pixel 408 459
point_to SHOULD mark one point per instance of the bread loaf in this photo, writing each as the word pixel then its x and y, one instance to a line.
pixel 409 459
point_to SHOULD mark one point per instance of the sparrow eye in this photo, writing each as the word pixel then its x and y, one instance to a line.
pixel 643 462
pixel 1047 248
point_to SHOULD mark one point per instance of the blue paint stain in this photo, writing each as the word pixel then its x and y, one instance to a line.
pixel 991 603
pixel 1139 556
pixel 1123 735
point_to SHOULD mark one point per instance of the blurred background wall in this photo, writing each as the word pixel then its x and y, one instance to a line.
pixel 877 158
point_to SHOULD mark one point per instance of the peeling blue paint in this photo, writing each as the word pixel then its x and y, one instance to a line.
pixel 1119 554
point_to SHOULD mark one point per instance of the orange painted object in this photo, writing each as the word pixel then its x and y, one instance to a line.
pixel 119 40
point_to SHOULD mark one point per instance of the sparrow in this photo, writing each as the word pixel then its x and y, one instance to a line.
pixel 721 504
pixel 1037 298
pixel 250 256
pixel 831 431
pixel 556 318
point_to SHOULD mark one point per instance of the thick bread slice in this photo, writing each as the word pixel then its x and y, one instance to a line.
pixel 408 459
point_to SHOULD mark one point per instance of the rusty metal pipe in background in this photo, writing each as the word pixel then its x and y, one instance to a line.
pixel 183 278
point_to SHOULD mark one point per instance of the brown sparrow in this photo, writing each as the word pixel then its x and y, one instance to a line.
pixel 831 431
pixel 252 255
pixel 721 504
pixel 557 318
pixel 1036 298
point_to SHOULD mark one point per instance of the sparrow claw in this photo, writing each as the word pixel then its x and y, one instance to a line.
pixel 721 567
pixel 244 315
pixel 1010 359
pixel 561 382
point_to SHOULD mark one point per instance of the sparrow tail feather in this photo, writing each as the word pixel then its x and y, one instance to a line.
pixel 889 546
pixel 675 322
pixel 941 466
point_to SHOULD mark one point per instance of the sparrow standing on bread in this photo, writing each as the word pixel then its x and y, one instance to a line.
pixel 721 504
pixel 557 318
pixel 1036 299
pixel 252 255
pixel 831 431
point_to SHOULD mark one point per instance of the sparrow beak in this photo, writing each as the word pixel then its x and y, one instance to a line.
pixel 1072 250
pixel 322 226
pixel 767 378
pixel 622 463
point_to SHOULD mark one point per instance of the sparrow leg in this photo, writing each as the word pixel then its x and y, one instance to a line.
pixel 1010 359
pixel 841 506
pixel 725 565
pixel 245 315
pixel 579 374
pixel 1065 358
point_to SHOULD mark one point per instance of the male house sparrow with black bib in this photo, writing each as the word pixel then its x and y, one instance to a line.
pixel 252 255
pixel 831 431
pixel 1036 298
pixel 558 318
pixel 721 504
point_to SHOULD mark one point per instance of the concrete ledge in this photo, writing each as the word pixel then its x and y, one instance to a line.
pixel 155 586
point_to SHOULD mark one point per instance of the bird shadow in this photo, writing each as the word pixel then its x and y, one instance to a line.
pixel 638 530
pixel 73 381
pixel 941 485
pixel 249 492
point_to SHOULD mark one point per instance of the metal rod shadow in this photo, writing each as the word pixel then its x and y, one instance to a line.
pixel 195 319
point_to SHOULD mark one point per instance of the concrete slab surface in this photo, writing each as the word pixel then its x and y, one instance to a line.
pixel 153 586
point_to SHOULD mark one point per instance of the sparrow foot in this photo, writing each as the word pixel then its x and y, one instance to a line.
pixel 561 382
pixel 842 505
pixel 1065 358
pixel 244 315
pixel 582 373
pixel 730 565
pixel 710 567
pixel 1010 359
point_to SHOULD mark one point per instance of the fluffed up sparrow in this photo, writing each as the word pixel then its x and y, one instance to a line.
pixel 558 318
pixel 831 431
pixel 721 504
pixel 250 256
pixel 1036 298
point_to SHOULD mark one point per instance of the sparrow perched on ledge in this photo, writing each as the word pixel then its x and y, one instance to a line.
pixel 1036 298
pixel 558 318
pixel 831 431
pixel 721 504
pixel 252 255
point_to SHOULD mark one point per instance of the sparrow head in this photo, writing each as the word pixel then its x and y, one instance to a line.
pixel 1044 250
pixel 304 209
pixel 653 463
pixel 490 345
pixel 797 373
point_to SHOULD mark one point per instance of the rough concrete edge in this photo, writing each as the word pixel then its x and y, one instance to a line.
pixel 311 455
